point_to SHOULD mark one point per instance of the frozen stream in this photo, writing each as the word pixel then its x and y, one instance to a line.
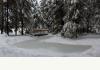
pixel 55 47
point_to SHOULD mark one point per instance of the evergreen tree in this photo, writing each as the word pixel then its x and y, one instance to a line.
pixel 16 14
pixel 52 11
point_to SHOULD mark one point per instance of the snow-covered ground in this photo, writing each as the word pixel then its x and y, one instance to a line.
pixel 8 46
pixel 92 40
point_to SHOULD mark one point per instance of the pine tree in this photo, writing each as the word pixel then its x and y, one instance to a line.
pixel 16 14
pixel 53 14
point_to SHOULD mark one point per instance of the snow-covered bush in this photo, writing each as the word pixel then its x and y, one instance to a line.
pixel 69 30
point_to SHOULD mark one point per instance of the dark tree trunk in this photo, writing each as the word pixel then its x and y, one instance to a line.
pixel 16 21
pixel 21 16
pixel 2 26
pixel 7 23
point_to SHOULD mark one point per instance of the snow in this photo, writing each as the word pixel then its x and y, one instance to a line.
pixel 8 47
pixel 39 1
pixel 92 40
pixel 54 47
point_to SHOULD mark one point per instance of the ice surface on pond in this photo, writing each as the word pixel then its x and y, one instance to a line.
pixel 63 48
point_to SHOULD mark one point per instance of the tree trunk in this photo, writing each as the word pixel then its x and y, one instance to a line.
pixel 16 21
pixel 7 23
pixel 21 21
pixel 2 26
pixel 22 16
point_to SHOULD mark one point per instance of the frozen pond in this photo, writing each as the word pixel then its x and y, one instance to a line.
pixel 61 48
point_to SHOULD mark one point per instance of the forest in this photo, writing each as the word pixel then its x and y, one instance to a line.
pixel 69 18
